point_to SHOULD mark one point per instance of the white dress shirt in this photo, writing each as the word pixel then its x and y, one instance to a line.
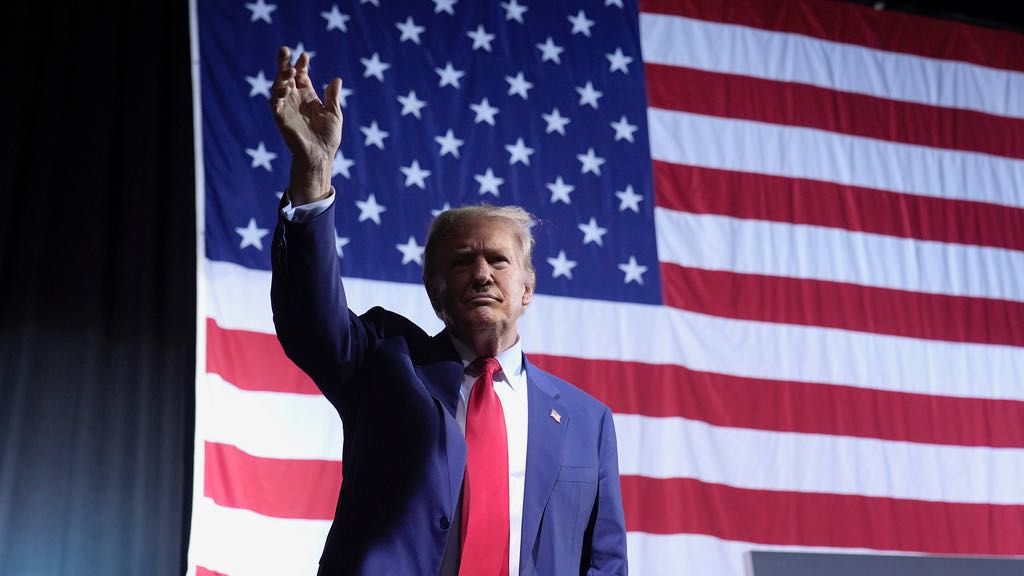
pixel 510 385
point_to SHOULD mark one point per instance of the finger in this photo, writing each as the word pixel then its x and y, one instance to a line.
pixel 302 71
pixel 284 59
pixel 285 73
pixel 283 83
pixel 332 97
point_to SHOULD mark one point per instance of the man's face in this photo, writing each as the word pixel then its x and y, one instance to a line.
pixel 486 284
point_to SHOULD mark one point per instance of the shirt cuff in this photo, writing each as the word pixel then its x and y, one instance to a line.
pixel 307 212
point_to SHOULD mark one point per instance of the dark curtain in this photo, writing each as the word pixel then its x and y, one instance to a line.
pixel 97 298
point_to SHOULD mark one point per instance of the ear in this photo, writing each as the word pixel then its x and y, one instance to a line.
pixel 527 295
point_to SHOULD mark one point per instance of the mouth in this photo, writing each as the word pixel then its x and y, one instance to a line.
pixel 482 300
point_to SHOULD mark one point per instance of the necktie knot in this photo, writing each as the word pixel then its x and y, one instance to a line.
pixel 488 366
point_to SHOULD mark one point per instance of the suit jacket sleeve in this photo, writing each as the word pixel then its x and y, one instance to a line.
pixel 316 329
pixel 607 529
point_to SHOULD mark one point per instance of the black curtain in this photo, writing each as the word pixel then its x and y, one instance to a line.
pixel 97 288
pixel 97 298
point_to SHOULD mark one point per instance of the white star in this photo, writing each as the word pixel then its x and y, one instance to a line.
pixel 411 251
pixel 279 194
pixel 374 2
pixel 550 51
pixel 592 232
pixel 369 209
pixel 562 266
pixel 252 235
pixel 261 11
pixel 336 19
pixel 489 182
pixel 261 157
pixel 484 112
pixel 481 39
pixel 590 162
pixel 445 6
pixel 445 208
pixel 519 152
pixel 343 96
pixel 613 3
pixel 414 175
pixel 411 104
pixel 580 24
pixel 410 31
pixel 259 84
pixel 449 76
pixel 374 135
pixel 560 191
pixel 299 50
pixel 618 61
pixel 341 165
pixel 339 245
pixel 634 271
pixel 514 11
pixel 556 122
pixel 623 129
pixel 449 143
pixel 588 95
pixel 518 85
pixel 374 67
pixel 629 199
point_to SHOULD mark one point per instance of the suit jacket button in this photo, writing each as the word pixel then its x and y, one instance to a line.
pixel 445 524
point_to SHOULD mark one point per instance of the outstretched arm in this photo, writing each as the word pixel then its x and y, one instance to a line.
pixel 311 128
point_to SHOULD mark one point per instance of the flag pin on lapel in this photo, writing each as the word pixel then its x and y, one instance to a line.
pixel 556 416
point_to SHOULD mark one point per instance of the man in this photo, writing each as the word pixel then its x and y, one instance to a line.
pixel 460 457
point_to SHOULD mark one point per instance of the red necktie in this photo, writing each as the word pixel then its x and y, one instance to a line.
pixel 485 488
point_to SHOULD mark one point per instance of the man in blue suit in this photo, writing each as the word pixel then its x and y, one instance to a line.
pixel 460 457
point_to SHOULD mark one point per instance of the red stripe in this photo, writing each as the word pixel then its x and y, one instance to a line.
pixel 270 486
pixel 253 361
pixel 670 87
pixel 684 505
pixel 660 390
pixel 845 306
pixel 200 571
pixel 799 201
pixel 674 391
pixel 847 22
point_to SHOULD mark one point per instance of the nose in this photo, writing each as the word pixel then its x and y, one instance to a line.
pixel 481 272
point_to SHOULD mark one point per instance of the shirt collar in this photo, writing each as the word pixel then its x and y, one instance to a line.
pixel 511 359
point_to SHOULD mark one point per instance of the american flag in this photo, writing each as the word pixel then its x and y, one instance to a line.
pixel 783 241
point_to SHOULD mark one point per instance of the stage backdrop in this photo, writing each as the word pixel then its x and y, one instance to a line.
pixel 783 241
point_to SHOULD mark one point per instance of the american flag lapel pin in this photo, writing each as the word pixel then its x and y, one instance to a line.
pixel 556 416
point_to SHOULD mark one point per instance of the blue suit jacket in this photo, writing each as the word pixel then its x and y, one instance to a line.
pixel 396 389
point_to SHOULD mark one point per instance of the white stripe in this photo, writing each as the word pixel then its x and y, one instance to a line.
pixel 599 329
pixel 798 462
pixel 790 57
pixel 239 298
pixel 714 242
pixel 798 152
pixel 243 543
pixel 269 424
pixel 701 555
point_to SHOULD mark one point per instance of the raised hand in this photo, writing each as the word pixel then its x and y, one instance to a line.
pixel 311 129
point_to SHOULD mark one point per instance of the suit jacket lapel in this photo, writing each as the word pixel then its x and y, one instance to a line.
pixel 543 452
pixel 441 371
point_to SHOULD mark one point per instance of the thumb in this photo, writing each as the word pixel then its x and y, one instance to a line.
pixel 332 97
